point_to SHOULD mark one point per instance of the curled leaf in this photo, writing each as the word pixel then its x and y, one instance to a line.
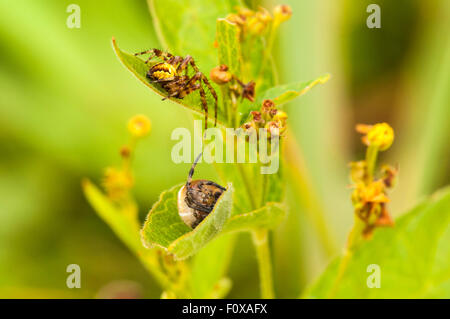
pixel 165 228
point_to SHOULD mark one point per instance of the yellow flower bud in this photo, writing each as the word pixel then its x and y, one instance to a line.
pixel 256 26
pixel 250 128
pixel 380 135
pixel 273 128
pixel 263 15
pixel 282 13
pixel 280 116
pixel 139 125
pixel 220 74
pixel 358 171
pixel 235 18
pixel 245 12
pixel 117 182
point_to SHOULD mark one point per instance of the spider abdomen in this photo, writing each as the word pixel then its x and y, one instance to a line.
pixel 197 199
pixel 162 71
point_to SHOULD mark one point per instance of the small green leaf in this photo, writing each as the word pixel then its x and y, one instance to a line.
pixel 209 267
pixel 165 228
pixel 163 225
pixel 282 94
pixel 191 242
pixel 192 101
pixel 413 258
pixel 126 229
pixel 267 217
pixel 229 48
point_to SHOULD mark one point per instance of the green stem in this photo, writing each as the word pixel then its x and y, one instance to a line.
pixel 268 50
pixel 248 185
pixel 354 238
pixel 261 242
pixel 306 196
pixel 371 159
pixel 355 235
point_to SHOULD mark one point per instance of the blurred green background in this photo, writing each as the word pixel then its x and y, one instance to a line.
pixel 65 100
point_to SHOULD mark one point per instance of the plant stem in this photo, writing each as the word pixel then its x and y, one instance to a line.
pixel 306 196
pixel 353 240
pixel 261 242
pixel 371 159
pixel 355 235
pixel 248 185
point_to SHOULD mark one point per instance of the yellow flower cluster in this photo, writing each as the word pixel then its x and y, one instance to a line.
pixel 258 22
pixel 269 118
pixel 370 197
pixel 117 182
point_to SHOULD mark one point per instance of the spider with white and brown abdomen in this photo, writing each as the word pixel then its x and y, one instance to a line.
pixel 173 76
pixel 196 199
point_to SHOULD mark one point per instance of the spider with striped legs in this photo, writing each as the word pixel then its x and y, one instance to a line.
pixel 173 76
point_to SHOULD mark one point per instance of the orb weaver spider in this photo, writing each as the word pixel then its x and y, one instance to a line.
pixel 196 199
pixel 173 76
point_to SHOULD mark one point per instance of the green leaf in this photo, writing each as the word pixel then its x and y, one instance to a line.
pixel 229 49
pixel 414 258
pixel 164 227
pixel 192 101
pixel 267 217
pixel 126 229
pixel 209 267
pixel 282 94
pixel 186 29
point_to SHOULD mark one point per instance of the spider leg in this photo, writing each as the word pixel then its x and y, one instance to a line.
pixel 184 64
pixel 214 94
pixel 152 52
pixel 195 206
pixel 216 185
pixel 192 85
pixel 204 104
pixel 165 56
pixel 204 79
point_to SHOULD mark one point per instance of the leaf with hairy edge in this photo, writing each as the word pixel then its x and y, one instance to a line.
pixel 413 258
pixel 163 224
pixel 282 94
pixel 164 227
pixel 229 53
pixel 192 101
pixel 267 217
pixel 188 244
